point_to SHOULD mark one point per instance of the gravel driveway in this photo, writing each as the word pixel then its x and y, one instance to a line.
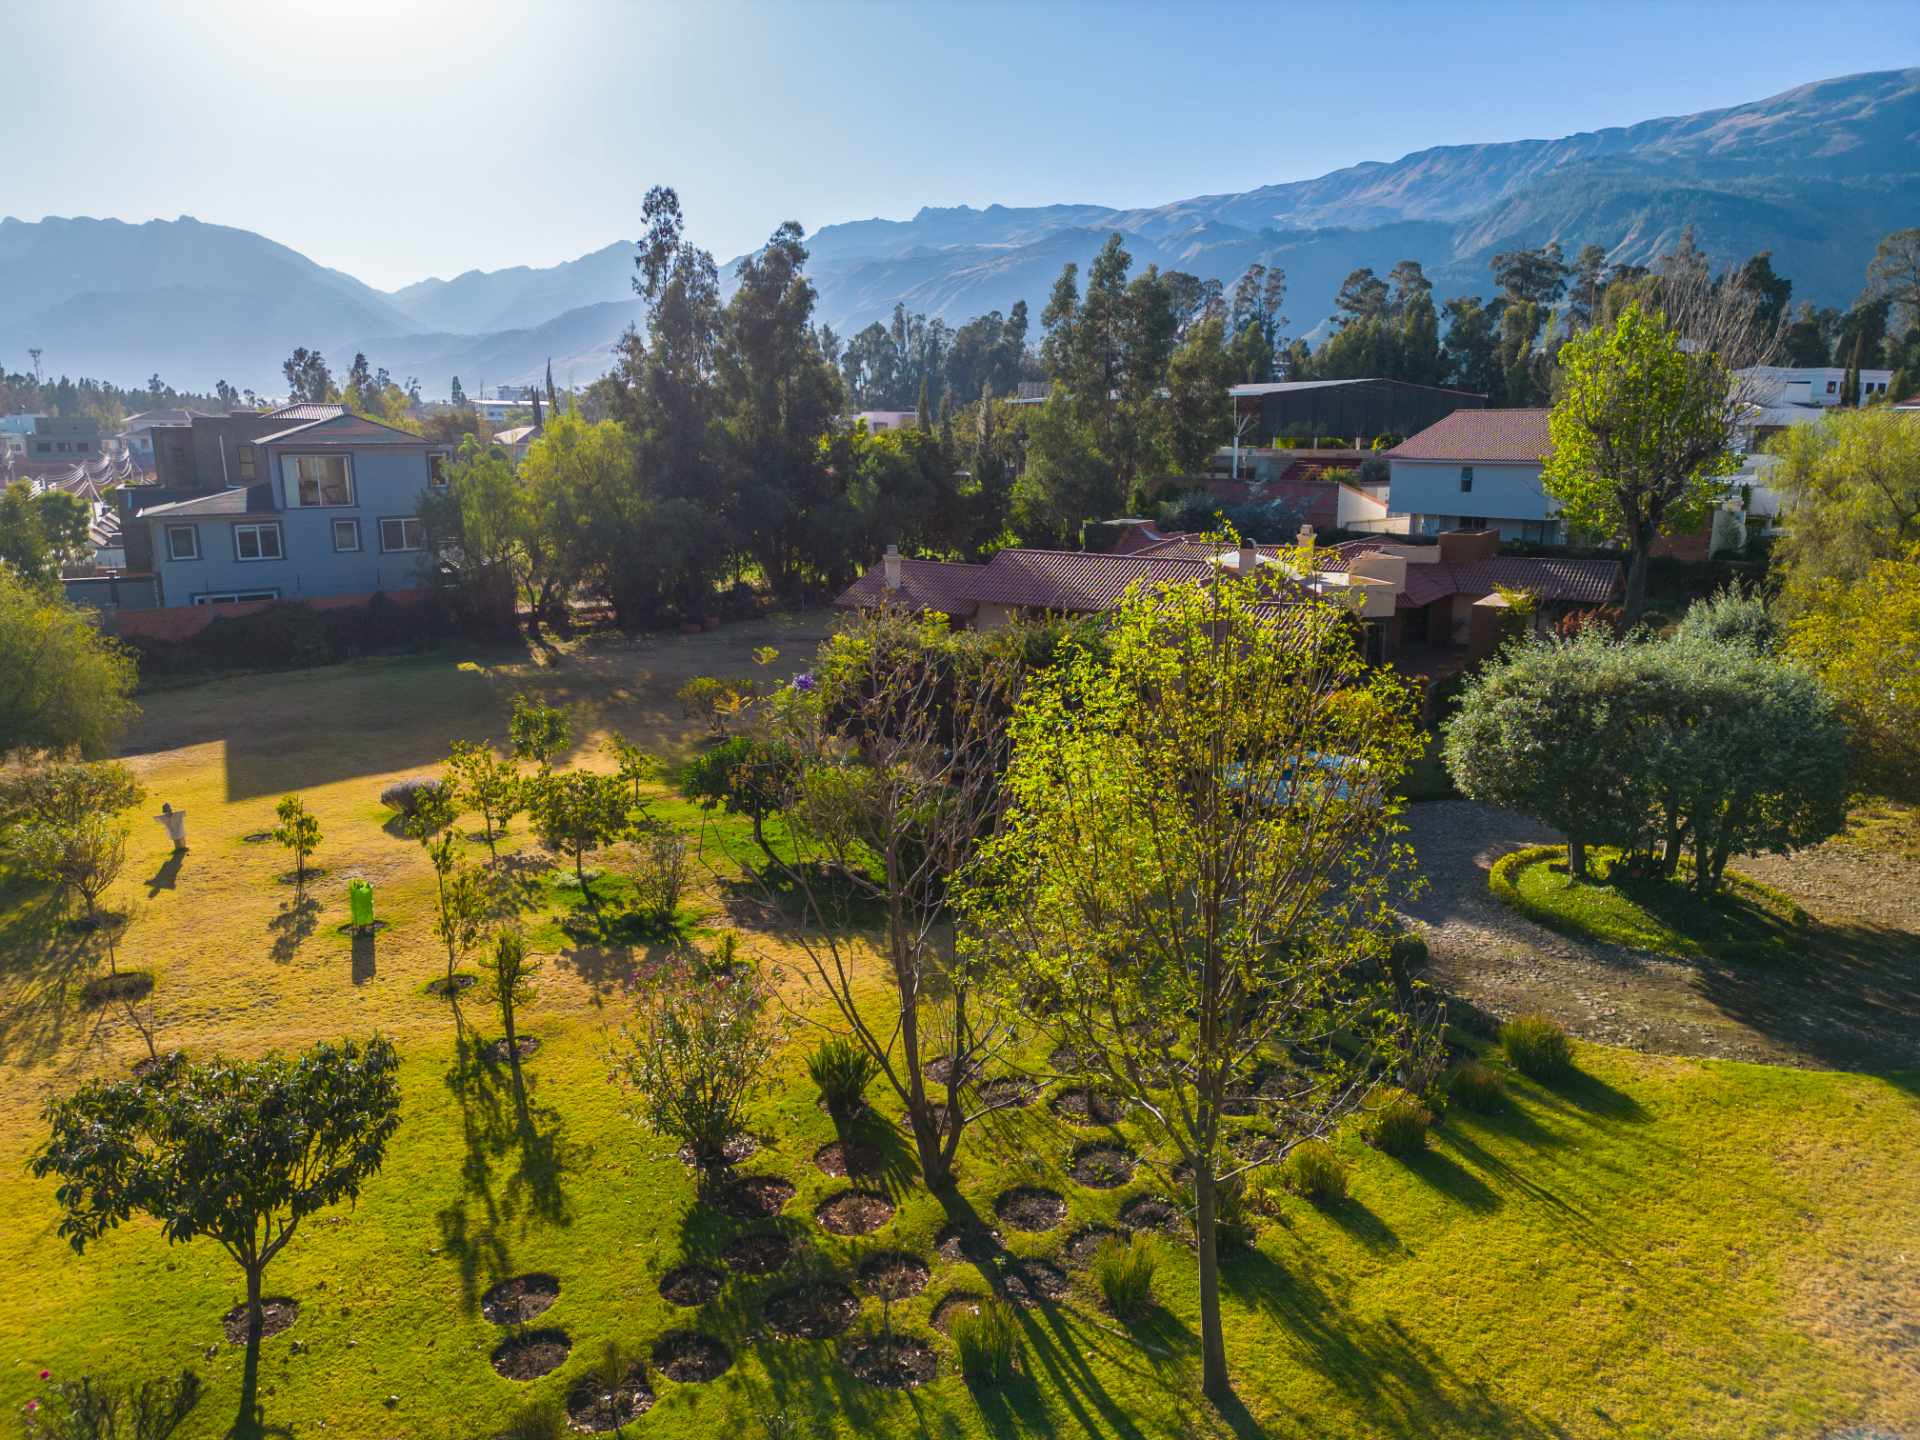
pixel 1855 1004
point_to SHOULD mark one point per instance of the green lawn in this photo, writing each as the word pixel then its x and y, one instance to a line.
pixel 1746 920
pixel 1654 1248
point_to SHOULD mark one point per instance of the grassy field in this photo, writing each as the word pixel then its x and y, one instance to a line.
pixel 1656 1247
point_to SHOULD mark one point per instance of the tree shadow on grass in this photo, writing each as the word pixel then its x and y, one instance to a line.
pixel 41 957
pixel 292 925
pixel 513 1170
pixel 1398 1381
pixel 1361 1224
pixel 1451 1178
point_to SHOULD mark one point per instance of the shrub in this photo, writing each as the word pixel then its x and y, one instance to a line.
pixel 1396 1122
pixel 1233 1215
pixel 1478 1087
pixel 1123 1270
pixel 406 796
pixel 93 1409
pixel 1537 1047
pixel 988 1342
pixel 842 1069
pixel 1314 1171
pixel 661 877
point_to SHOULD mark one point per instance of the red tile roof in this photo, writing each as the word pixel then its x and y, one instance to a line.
pixel 924 585
pixel 1492 436
pixel 1072 580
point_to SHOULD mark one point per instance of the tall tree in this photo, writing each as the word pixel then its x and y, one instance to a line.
pixel 1586 283
pixel 308 378
pixel 1532 277
pixel 63 685
pixel 1363 296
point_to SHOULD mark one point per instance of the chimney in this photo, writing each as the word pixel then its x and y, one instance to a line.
pixel 1249 557
pixel 1305 537
pixel 892 564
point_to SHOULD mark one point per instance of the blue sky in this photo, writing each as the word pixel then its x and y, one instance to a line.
pixel 400 138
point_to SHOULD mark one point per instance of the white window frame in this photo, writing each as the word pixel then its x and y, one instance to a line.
pixel 173 552
pixel 437 463
pixel 234 597
pixel 402 521
pixel 352 521
pixel 290 481
pixel 260 530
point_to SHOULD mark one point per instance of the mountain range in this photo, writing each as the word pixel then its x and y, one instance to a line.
pixel 1816 175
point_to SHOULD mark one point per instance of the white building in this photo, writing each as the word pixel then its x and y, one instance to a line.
pixel 1476 470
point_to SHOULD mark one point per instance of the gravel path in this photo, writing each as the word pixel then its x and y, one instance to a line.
pixel 1856 1007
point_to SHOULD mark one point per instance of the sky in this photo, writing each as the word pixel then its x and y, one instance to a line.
pixel 397 139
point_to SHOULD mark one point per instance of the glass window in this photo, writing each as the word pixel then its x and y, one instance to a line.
pixel 257 542
pixel 402 532
pixel 346 535
pixel 234 597
pixel 1466 479
pixel 183 542
pixel 313 480
pixel 437 468
pixel 246 462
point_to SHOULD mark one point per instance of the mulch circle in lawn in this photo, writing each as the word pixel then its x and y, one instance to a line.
pixel 896 1362
pixel 1255 1146
pixel 531 1354
pixel 755 1197
pixel 1031 1208
pixel 955 1304
pixel 276 1314
pixel 966 1242
pixel 520 1299
pixel 1085 1243
pixel 1081 1106
pixel 691 1284
pixel 127 985
pixel 812 1311
pixel 738 1147
pixel 592 1407
pixel 1154 1212
pixel 893 1275
pixel 855 1212
pixel 1102 1165
pixel 459 985
pixel 1011 1091
pixel 1064 1060
pixel 525 1044
pixel 758 1254
pixel 941 1070
pixel 849 1158
pixel 1034 1282
pixel 256 837
pixel 689 1356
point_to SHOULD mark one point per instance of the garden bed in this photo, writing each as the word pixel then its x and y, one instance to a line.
pixel 277 1313
pixel 855 1212
pixel 531 1355
pixel 523 1298
pixel 813 1311
pixel 690 1357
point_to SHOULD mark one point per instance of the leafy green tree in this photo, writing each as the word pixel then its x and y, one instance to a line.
pixel 41 534
pixel 66 792
pixel 539 731
pixel 511 969
pixel 1861 635
pixel 1893 275
pixel 1587 281
pixel 1530 277
pixel 1198 375
pixel 488 786
pixel 636 767
pixel 578 812
pixel 464 902
pixel 747 775
pixel 1473 346
pixel 481 526
pixel 83 856
pixel 308 378
pixel 299 831
pixel 435 808
pixel 572 474
pixel 239 1151
pixel 1192 876
pixel 1852 489
pixel 63 685
pixel 1640 438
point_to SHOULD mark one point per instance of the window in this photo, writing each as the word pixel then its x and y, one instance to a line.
pixel 246 462
pixel 313 480
pixel 83 446
pixel 257 542
pixel 183 542
pixel 402 532
pixel 346 536
pixel 1466 479
pixel 63 447
pixel 234 597
pixel 1473 522
pixel 1832 386
pixel 437 468
pixel 43 447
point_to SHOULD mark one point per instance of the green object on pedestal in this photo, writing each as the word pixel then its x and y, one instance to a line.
pixel 360 903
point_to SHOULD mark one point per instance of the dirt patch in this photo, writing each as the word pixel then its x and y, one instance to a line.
pixel 758 1254
pixel 520 1299
pixel 458 985
pixel 1034 1282
pixel 529 1356
pixel 689 1285
pixel 1085 1243
pixel 276 1314
pixel 1154 1212
pixel 1013 1092
pixel 855 1212
pixel 256 837
pixel 756 1197
pixel 592 1407
pixel 955 1243
pixel 955 1304
pixel 939 1071
pixel 1031 1208
pixel 1081 1106
pixel 1065 1060
pixel 105 989
pixel 1853 1004
pixel 738 1147
pixel 849 1159
pixel 498 1054
pixel 895 1362
pixel 1255 1146
pixel 1102 1165
pixel 894 1275
pixel 813 1311
pixel 690 1357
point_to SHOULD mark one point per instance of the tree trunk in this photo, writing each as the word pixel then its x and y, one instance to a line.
pixel 1640 551
pixel 1213 1343
pixel 1576 857
pixel 248 1421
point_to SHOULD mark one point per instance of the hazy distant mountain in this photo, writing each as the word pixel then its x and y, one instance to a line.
pixel 1817 175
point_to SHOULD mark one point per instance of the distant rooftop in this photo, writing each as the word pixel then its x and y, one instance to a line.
pixel 1491 436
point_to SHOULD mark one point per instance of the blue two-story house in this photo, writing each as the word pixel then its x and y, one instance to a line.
pixel 332 510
